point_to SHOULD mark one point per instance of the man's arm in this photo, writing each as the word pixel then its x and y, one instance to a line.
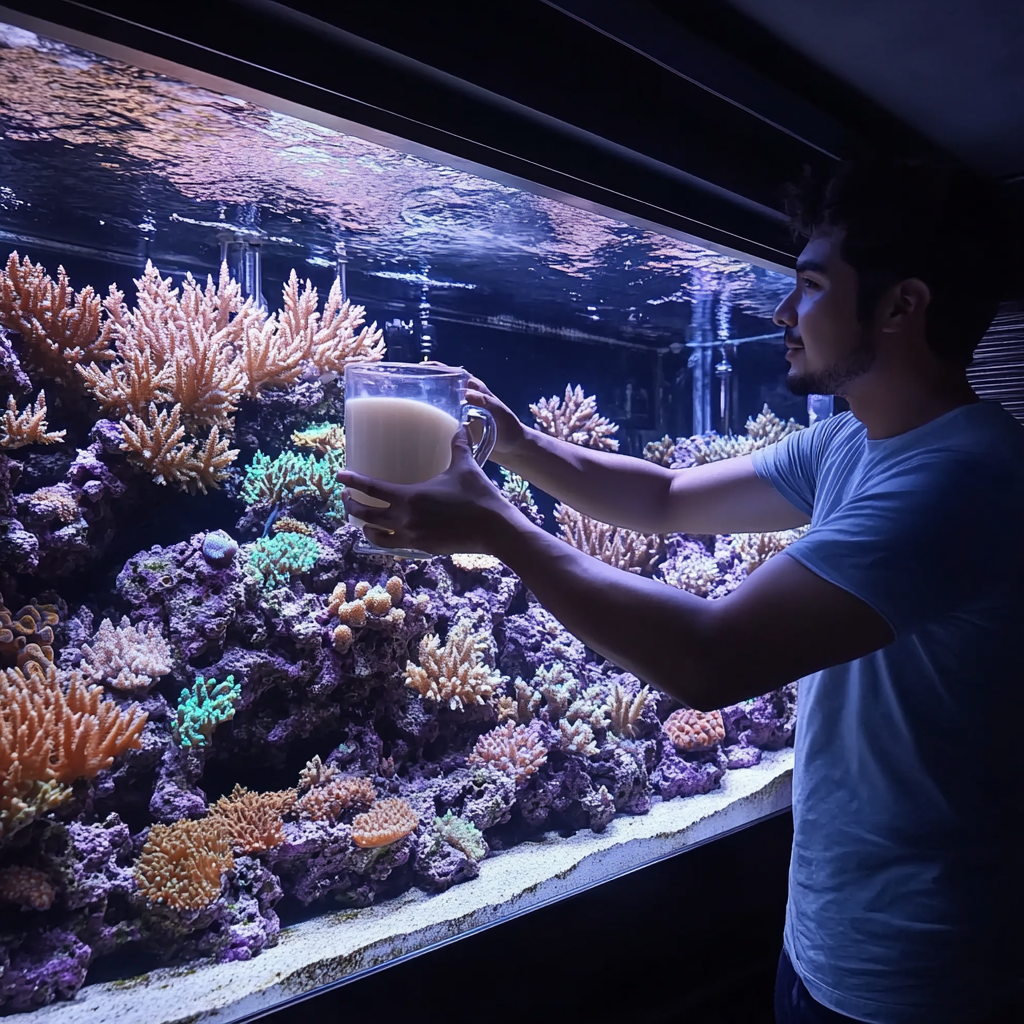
pixel 782 623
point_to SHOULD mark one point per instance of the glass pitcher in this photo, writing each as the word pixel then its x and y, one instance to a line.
pixel 400 419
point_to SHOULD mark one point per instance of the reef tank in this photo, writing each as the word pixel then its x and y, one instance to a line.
pixel 220 725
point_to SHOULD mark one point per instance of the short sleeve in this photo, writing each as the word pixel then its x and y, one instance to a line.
pixel 791 466
pixel 909 546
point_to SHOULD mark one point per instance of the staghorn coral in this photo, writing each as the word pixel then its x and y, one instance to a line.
pixel 316 773
pixel 624 712
pixel 575 418
pixel 290 477
pixel 697 574
pixel 182 865
pixel 59 327
pixel 624 549
pixel 577 738
pixel 691 730
pixel 328 800
pixel 26 887
pixel 27 635
pixel 275 560
pixel 18 429
pixel 514 749
pixel 384 823
pixel 754 549
pixel 761 430
pixel 662 452
pixel 55 729
pixel 126 658
pixel 322 437
pixel 516 491
pixel 203 708
pixel 457 674
pixel 253 821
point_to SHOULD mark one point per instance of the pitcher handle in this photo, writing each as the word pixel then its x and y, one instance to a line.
pixel 483 448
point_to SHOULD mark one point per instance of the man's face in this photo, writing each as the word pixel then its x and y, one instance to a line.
pixel 826 346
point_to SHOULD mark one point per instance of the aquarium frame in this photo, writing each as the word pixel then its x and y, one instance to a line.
pixel 164 53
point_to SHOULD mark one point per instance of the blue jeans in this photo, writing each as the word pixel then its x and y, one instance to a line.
pixel 795 1005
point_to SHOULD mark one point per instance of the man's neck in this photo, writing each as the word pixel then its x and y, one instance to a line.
pixel 891 404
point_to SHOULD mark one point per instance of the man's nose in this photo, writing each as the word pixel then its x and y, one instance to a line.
pixel 785 312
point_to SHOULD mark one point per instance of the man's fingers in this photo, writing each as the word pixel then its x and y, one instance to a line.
pixel 367 513
pixel 367 486
pixel 382 538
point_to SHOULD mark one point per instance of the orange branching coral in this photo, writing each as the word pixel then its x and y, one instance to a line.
pixel 327 801
pixel 60 328
pixel 694 730
pixel 624 549
pixel 18 429
pixel 457 673
pixel 285 524
pixel 28 634
pixel 575 418
pixel 27 887
pixel 182 865
pixel 54 729
pixel 128 386
pixel 384 823
pixel 316 773
pixel 514 749
pixel 372 606
pixel 252 821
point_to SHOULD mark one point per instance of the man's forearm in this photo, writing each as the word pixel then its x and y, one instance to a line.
pixel 616 489
pixel 662 635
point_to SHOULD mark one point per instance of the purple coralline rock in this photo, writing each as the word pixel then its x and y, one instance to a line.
pixel 483 796
pixel 438 866
pixel 768 721
pixel 12 377
pixel 46 964
pixel 219 548
pixel 536 638
pixel 176 794
pixel 94 862
pixel 678 776
pixel 741 757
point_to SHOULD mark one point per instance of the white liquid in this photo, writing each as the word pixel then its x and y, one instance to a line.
pixel 398 440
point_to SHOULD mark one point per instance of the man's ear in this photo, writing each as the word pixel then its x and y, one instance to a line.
pixel 909 298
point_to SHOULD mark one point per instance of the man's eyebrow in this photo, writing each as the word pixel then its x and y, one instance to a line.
pixel 816 265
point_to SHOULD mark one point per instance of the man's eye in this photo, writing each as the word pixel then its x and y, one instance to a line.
pixel 808 283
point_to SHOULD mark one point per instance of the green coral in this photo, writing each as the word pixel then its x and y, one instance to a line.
pixel 203 708
pixel 289 477
pixel 461 834
pixel 275 560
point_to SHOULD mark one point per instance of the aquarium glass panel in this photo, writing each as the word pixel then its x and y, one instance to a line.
pixel 223 717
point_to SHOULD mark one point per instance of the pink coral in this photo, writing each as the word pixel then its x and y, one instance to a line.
pixel 512 748
pixel 691 730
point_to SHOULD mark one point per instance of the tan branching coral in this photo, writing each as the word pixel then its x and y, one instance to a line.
pixel 698 575
pixel 456 674
pixel 26 887
pixel 327 801
pixel 384 823
pixel 253 821
pixel 182 865
pixel 662 452
pixel 624 712
pixel 126 658
pixel 691 730
pixel 54 729
pixel 59 327
pixel 323 437
pixel 624 549
pixel 762 430
pixel 285 524
pixel 514 749
pixel 18 429
pixel 375 606
pixel 475 562
pixel 754 549
pixel 27 635
pixel 577 738
pixel 575 418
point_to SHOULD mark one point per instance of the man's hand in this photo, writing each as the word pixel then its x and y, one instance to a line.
pixel 511 432
pixel 459 510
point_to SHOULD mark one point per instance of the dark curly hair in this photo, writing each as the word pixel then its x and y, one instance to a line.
pixel 908 218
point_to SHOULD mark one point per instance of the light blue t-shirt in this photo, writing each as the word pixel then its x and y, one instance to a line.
pixel 906 901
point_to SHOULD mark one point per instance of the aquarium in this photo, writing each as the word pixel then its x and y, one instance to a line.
pixel 243 757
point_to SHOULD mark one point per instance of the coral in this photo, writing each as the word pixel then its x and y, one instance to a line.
pixel 203 708
pixel 28 634
pixel 662 452
pixel 577 738
pixel 457 674
pixel 384 823
pixel 219 548
pixel 575 418
pixel 754 549
pixel 18 429
pixel 475 562
pixel 285 524
pixel 327 801
pixel 342 638
pixel 59 327
pixel 515 749
pixel 126 657
pixel 624 549
pixel 375 606
pixel 623 712
pixel 182 865
pixel 516 491
pixel 761 430
pixel 691 730
pixel 252 821
pixel 290 477
pixel 461 834
pixel 55 729
pixel 316 773
pixel 26 887
pixel 322 437
pixel 274 560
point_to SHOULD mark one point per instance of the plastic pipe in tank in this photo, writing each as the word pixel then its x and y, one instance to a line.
pixel 819 407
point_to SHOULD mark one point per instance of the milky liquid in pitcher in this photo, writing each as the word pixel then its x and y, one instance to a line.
pixel 399 440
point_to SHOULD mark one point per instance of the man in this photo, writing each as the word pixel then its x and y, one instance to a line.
pixel 900 609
